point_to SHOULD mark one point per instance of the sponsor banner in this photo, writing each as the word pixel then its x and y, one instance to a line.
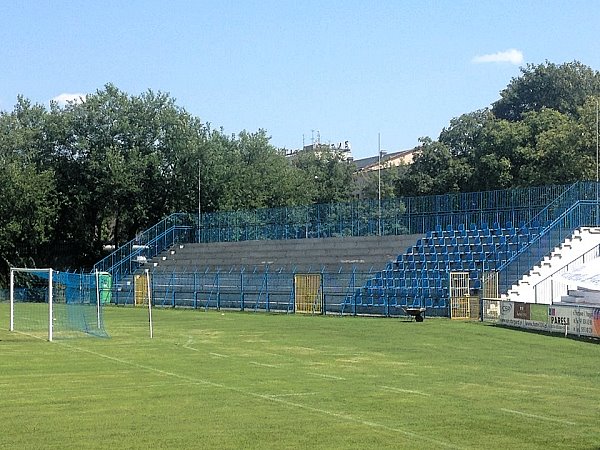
pixel 522 311
pixel 560 317
pixel 579 321
pixel 596 322
pixel 514 314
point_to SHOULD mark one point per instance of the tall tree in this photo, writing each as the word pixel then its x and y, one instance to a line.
pixel 554 154
pixel 258 175
pixel 328 177
pixel 563 88
pixel 28 206
pixel 434 171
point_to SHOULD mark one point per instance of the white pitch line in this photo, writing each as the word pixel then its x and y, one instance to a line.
pixel 30 335
pixel 189 343
pixel 405 391
pixel 535 416
pixel 341 416
pixel 218 355
pixel 333 377
pixel 254 363
pixel 297 394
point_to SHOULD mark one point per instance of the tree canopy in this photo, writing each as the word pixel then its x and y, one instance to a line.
pixel 102 169
pixel 542 130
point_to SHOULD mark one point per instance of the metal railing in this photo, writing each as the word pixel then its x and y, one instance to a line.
pixel 580 214
pixel 411 215
pixel 252 290
pixel 551 287
pixel 174 229
pixel 406 215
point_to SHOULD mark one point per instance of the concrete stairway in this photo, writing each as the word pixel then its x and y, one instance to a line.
pixel 582 296
pixel 330 254
pixel 543 284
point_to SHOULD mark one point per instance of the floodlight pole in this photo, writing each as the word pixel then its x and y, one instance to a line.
pixel 199 199
pixel 379 184
pixel 597 172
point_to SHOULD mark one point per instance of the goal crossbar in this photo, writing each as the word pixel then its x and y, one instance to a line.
pixel 78 308
pixel 14 270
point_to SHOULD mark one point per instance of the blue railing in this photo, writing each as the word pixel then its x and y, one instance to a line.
pixel 407 215
pixel 410 215
pixel 174 229
pixel 580 214
pixel 240 290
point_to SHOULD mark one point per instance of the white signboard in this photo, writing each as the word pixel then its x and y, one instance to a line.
pixel 586 275
pixel 574 320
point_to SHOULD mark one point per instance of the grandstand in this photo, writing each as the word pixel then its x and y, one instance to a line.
pixel 410 253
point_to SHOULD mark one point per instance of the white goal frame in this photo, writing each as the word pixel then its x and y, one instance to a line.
pixel 50 273
pixel 12 296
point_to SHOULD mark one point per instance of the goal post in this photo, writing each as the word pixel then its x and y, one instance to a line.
pixel 30 296
pixel 60 304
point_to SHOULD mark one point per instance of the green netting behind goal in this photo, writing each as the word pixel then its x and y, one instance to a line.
pixel 76 303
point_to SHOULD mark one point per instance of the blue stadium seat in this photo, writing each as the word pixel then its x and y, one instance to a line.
pixel 497 230
pixel 485 233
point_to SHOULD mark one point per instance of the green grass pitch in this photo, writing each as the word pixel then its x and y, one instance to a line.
pixel 230 380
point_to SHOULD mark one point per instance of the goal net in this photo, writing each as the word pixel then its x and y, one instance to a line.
pixel 47 303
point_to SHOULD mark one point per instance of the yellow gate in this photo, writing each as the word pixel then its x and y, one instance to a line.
pixel 462 305
pixel 308 295
pixel 491 301
pixel 140 288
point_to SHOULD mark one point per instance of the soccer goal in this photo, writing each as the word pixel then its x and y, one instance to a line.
pixel 45 302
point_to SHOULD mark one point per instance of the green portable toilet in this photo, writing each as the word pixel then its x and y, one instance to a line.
pixel 105 287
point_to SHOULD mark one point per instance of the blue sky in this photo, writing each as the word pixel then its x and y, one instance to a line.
pixel 341 70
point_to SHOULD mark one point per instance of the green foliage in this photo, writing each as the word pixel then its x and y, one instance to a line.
pixel 563 88
pixel 541 131
pixel 435 170
pixel 103 169
pixel 257 175
pixel 328 178
pixel 28 203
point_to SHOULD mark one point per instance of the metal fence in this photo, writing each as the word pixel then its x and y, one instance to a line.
pixel 257 290
pixel 405 215
pixel 409 215
pixel 559 209
pixel 578 214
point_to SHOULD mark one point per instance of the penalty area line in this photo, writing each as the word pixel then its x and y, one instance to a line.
pixel 405 391
pixel 271 398
pixel 255 363
pixel 322 375
pixel 296 394
pixel 22 333
pixel 536 416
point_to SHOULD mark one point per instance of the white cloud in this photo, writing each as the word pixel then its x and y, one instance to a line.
pixel 511 56
pixel 65 98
